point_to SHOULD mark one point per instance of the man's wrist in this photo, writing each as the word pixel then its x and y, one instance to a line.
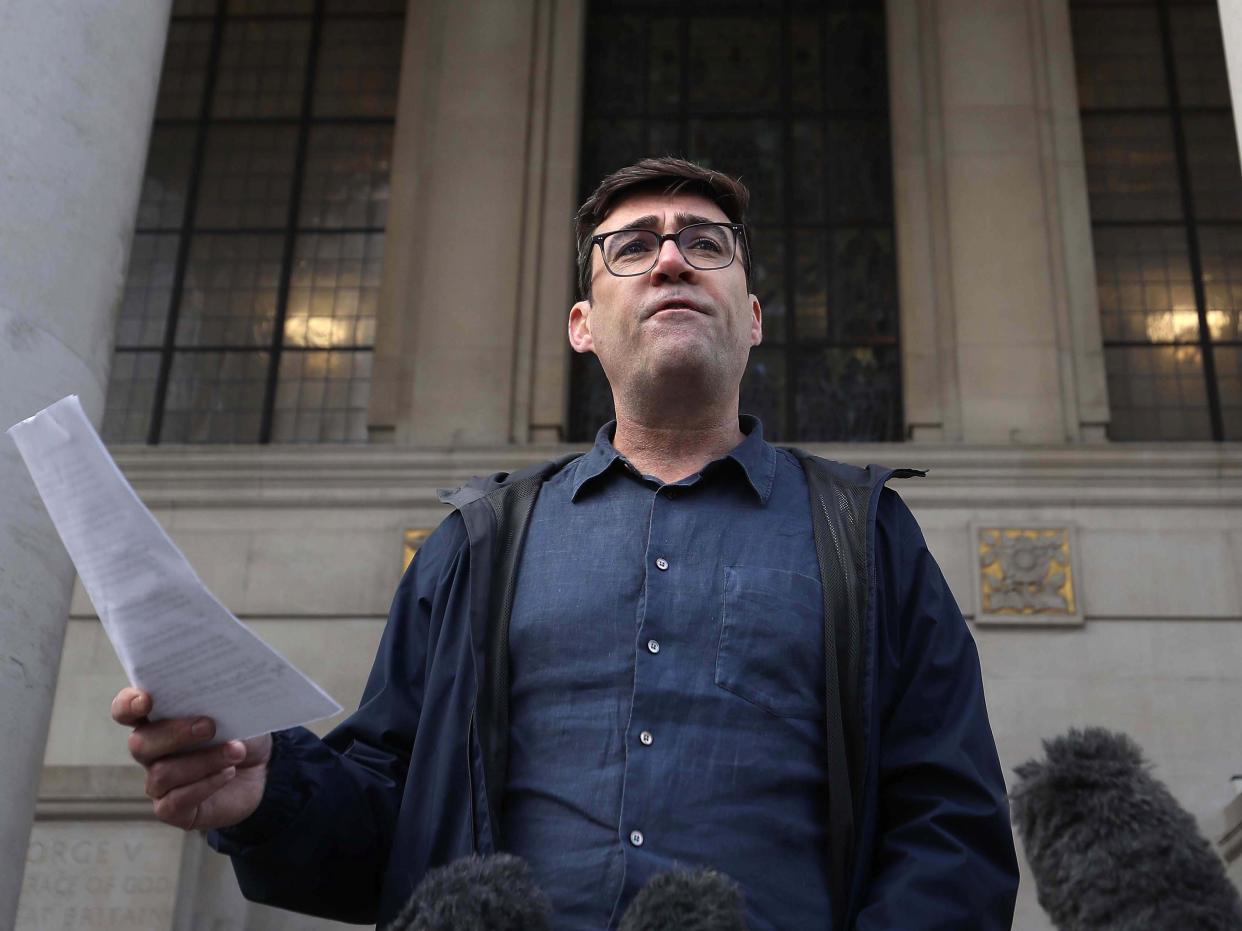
pixel 283 798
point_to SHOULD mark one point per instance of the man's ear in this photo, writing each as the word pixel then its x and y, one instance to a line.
pixel 756 321
pixel 580 338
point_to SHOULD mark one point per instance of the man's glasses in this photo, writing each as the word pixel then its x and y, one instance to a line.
pixel 705 246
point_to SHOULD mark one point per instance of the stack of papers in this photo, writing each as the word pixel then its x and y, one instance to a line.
pixel 174 639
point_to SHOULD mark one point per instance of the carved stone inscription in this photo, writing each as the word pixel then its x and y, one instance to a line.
pixel 102 876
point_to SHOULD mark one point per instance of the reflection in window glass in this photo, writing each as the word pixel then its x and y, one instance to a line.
pixel 792 98
pixel 1166 211
pixel 250 301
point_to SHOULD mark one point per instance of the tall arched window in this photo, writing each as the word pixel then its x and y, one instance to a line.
pixel 793 98
pixel 248 313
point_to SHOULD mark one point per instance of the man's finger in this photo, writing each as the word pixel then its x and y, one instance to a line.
pixel 131 706
pixel 180 806
pixel 171 773
pixel 149 742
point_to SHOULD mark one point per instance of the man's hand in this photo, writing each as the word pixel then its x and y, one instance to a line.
pixel 215 787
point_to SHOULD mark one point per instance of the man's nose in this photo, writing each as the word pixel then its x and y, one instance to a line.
pixel 670 263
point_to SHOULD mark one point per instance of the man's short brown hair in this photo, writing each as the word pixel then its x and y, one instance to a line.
pixel 665 175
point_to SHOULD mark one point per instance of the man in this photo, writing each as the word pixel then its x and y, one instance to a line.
pixel 684 647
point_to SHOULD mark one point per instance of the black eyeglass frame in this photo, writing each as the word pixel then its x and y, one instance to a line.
pixel 739 230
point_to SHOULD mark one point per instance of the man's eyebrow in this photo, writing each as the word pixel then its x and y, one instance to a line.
pixel 686 219
pixel 651 221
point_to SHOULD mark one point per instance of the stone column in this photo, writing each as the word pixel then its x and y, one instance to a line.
pixel 77 94
pixel 478 277
pixel 1000 322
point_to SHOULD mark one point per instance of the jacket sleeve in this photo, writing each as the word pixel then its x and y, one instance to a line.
pixel 320 839
pixel 944 856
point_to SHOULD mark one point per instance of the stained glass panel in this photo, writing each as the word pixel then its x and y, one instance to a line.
pixel 1119 58
pixel 767 279
pixel 346 176
pixel 231 286
pixel 262 68
pixel 749 149
pixel 1215 176
pixel 1202 79
pixel 169 161
pixel 1157 393
pixel 860 170
pixel 864 286
pixel 215 397
pixel 1131 167
pixel 1221 255
pixel 1145 288
pixel 734 64
pixel 848 395
pixel 764 390
pixel 359 65
pixel 1229 377
pixel 247 177
pixel 148 290
pixel 791 97
pixel 334 291
pixel 131 394
pixel 321 397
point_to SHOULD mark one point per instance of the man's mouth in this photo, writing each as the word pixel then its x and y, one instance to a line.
pixel 675 303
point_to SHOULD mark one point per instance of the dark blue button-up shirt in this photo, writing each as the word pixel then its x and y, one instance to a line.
pixel 667 688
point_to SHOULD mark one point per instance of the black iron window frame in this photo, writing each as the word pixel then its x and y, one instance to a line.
pixel 790 345
pixel 187 229
pixel 1189 222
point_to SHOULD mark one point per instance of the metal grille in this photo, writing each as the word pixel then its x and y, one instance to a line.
pixel 1166 208
pixel 249 305
pixel 793 98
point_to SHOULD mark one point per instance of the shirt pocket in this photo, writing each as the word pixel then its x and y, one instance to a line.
pixel 771 640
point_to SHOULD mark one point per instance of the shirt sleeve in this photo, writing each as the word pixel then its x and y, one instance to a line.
pixel 319 841
pixel 944 856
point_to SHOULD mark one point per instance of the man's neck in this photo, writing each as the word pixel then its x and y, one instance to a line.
pixel 671 451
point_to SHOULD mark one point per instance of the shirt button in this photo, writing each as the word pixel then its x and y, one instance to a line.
pixel 636 838
pixel 653 646
pixel 661 563
pixel 646 738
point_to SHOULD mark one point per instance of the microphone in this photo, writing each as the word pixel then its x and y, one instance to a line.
pixel 703 900
pixel 1109 846
pixel 476 894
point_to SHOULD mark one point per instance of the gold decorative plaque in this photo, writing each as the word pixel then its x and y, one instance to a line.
pixel 1026 575
pixel 412 540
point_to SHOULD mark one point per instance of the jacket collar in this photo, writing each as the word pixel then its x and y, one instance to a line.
pixel 756 458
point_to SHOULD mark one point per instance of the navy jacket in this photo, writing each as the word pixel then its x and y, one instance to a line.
pixel 919 824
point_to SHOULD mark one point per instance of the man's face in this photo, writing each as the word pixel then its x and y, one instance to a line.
pixel 675 320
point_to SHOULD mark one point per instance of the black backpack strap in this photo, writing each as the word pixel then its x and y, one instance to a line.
pixel 512 506
pixel 839 523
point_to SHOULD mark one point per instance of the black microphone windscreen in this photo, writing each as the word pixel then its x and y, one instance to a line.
pixel 1109 846
pixel 476 894
pixel 703 900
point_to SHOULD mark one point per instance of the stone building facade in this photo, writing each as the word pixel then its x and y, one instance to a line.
pixel 348 281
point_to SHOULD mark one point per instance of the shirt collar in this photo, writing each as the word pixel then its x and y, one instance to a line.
pixel 756 457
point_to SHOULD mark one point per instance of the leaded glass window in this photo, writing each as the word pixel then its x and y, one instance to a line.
pixel 248 313
pixel 793 98
pixel 1165 189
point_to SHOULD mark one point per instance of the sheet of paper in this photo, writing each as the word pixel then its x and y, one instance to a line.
pixel 174 639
